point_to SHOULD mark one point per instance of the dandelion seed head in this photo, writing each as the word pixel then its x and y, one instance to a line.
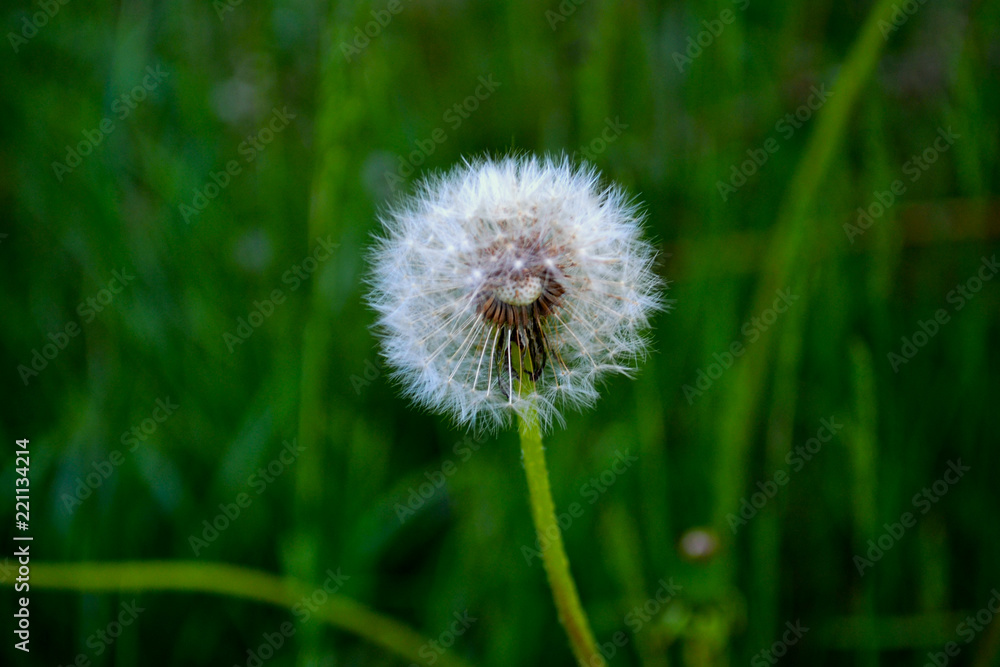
pixel 512 285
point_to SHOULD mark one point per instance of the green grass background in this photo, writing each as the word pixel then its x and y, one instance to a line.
pixel 311 371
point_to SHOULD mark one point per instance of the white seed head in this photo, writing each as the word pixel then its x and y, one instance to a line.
pixel 512 285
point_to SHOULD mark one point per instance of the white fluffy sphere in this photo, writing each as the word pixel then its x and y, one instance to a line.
pixel 513 285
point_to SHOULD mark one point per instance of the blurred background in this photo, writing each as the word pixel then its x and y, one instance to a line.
pixel 189 191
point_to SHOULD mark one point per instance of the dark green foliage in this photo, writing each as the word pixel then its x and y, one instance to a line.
pixel 309 140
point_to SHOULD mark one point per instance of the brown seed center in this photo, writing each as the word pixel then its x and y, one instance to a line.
pixel 522 291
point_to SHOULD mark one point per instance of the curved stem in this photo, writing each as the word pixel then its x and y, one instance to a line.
pixel 338 611
pixel 543 512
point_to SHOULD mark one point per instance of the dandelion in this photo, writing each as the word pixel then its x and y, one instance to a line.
pixel 511 288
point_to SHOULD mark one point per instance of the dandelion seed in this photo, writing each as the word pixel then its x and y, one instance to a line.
pixel 510 285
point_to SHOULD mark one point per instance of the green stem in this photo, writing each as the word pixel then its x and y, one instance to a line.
pixel 339 611
pixel 543 511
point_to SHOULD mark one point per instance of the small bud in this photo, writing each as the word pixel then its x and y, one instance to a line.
pixel 699 544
